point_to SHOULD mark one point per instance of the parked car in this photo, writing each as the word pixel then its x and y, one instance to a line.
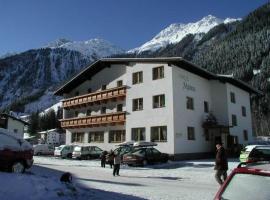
pixel 86 152
pixel 143 154
pixel 43 149
pixel 16 155
pixel 64 151
pixel 122 149
pixel 253 152
pixel 248 182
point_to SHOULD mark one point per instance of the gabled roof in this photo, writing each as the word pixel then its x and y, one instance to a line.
pixel 4 115
pixel 97 66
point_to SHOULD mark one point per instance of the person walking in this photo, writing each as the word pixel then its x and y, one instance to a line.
pixel 117 162
pixel 103 158
pixel 221 164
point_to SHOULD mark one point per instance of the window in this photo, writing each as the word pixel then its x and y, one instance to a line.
pixel 88 112
pixel 89 90
pixel 76 113
pixel 190 133
pixel 77 93
pixel 159 101
pixel 206 107
pixel 119 83
pixel 232 97
pixel 138 134
pixel 234 120
pixel 137 77
pixel 97 136
pixel 103 110
pixel 119 108
pixel 190 103
pixel 158 72
pixel 159 134
pixel 244 112
pixel 245 134
pixel 77 137
pixel 103 87
pixel 137 104
pixel 117 136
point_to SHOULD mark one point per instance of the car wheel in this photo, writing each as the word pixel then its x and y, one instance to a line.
pixel 18 167
pixel 145 162
pixel 69 155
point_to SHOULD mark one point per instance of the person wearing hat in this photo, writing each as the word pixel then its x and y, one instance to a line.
pixel 221 164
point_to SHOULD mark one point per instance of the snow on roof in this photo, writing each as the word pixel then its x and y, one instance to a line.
pixel 8 141
pixel 225 75
pixel 256 71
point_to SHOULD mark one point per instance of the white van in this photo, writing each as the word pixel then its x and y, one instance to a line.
pixel 64 151
pixel 43 149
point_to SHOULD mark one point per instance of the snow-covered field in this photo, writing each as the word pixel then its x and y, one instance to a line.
pixel 174 180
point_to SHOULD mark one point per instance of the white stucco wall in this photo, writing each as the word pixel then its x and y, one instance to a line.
pixel 186 84
pixel 149 117
pixel 243 123
pixel 176 86
pixel 16 125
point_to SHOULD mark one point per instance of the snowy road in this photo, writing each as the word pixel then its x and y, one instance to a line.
pixel 185 180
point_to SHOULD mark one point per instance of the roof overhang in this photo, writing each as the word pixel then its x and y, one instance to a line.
pixel 88 72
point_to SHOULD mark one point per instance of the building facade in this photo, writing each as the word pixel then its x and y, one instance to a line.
pixel 53 137
pixel 172 102
pixel 13 125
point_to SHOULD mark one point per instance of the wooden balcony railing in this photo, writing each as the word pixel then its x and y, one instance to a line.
pixel 95 97
pixel 110 119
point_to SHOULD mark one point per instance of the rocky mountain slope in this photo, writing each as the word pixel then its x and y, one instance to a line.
pixel 28 79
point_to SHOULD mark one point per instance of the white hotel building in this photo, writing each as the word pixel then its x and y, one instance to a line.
pixel 164 100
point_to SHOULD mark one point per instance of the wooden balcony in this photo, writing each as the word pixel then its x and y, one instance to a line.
pixel 114 94
pixel 110 119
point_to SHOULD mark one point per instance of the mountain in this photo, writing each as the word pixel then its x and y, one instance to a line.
pixel 98 47
pixel 239 48
pixel 176 32
pixel 28 79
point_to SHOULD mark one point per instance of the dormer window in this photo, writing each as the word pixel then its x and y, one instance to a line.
pixel 119 83
pixel 103 87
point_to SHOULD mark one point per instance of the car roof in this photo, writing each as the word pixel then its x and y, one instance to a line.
pixel 263 147
pixel 250 147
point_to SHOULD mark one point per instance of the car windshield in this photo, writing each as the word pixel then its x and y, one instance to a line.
pixel 245 186
pixel 262 153
pixel 60 147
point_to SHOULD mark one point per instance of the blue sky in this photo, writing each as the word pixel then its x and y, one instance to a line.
pixel 26 24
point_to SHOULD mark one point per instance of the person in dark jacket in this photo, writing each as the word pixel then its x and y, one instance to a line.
pixel 103 158
pixel 221 165
pixel 117 162
pixel 110 157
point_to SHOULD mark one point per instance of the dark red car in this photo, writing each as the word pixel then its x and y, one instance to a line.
pixel 248 181
pixel 143 156
pixel 16 155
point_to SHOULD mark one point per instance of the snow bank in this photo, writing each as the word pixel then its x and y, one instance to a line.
pixel 48 187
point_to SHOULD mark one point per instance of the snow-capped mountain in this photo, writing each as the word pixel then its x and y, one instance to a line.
pixel 176 32
pixel 98 47
pixel 27 79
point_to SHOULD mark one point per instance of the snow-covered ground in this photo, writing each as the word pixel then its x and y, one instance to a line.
pixel 174 180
